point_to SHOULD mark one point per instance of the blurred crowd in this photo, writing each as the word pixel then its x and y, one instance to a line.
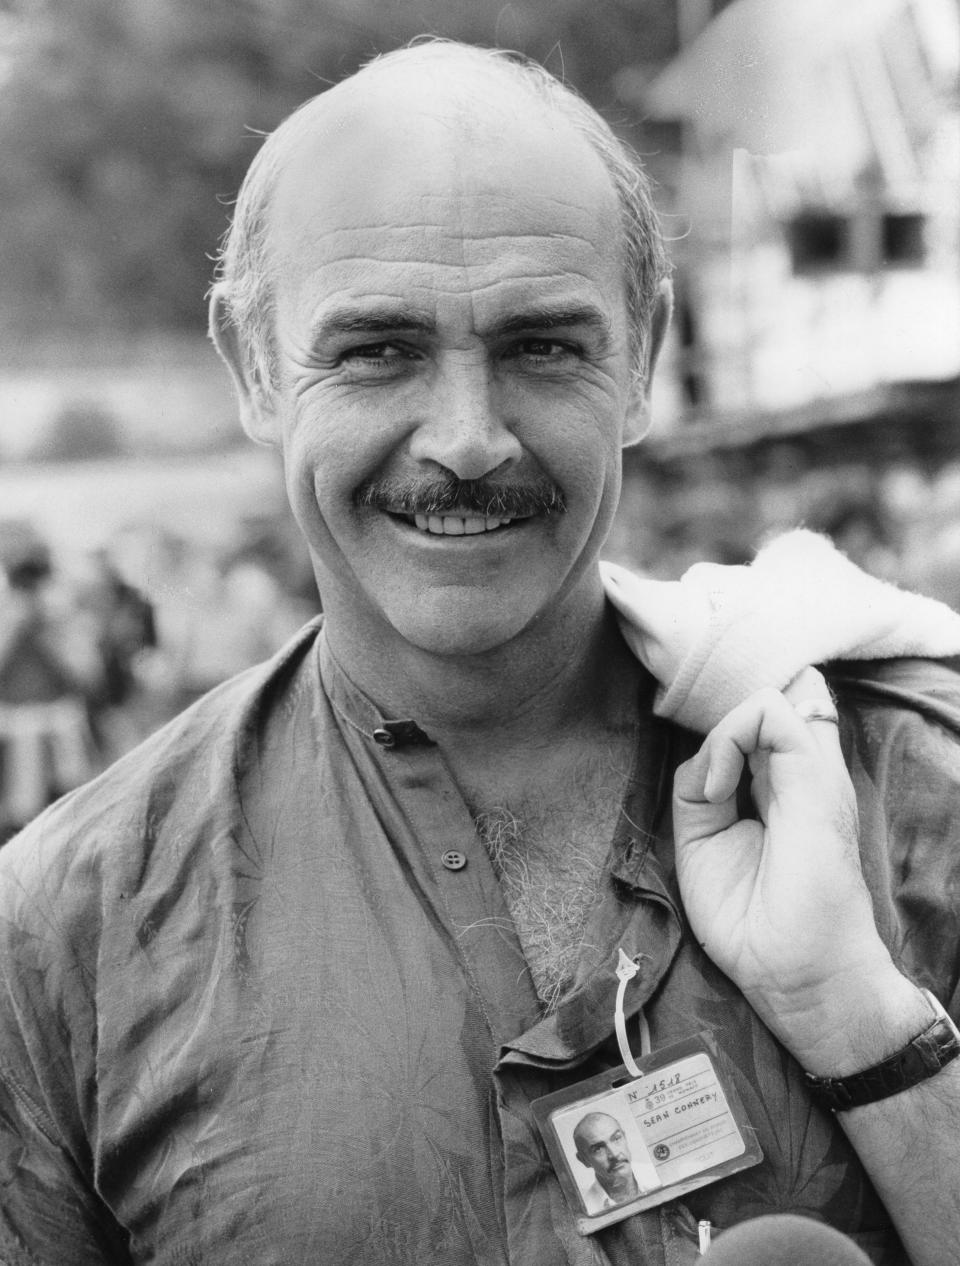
pixel 98 650
pixel 897 519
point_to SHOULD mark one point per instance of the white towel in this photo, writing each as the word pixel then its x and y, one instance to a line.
pixel 719 633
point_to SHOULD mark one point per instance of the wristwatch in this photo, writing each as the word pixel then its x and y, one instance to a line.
pixel 923 1057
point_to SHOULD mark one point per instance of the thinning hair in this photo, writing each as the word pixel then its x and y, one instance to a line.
pixel 243 264
pixel 581 1128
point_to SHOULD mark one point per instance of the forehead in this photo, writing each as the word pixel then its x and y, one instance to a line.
pixel 423 198
pixel 599 1130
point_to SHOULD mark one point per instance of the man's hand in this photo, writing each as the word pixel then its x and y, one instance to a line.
pixel 780 903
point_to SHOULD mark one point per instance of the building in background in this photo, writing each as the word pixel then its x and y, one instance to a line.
pixel 815 207
pixel 808 162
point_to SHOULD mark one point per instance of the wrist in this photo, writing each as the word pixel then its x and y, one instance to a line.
pixel 931 1049
pixel 854 1023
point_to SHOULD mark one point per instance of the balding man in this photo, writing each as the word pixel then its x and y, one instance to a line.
pixel 602 1146
pixel 283 985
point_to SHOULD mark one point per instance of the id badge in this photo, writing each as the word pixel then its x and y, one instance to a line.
pixel 622 1143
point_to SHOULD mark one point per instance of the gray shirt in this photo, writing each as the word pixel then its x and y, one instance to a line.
pixel 251 1009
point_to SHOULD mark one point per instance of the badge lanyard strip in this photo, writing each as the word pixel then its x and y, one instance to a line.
pixel 626 970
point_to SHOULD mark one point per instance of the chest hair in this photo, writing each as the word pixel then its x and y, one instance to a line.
pixel 551 857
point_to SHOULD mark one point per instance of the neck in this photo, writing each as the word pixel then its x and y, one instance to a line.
pixel 567 672
pixel 621 1187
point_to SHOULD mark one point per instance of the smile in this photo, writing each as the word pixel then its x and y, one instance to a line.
pixel 457 524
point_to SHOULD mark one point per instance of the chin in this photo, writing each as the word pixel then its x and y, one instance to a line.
pixel 457 633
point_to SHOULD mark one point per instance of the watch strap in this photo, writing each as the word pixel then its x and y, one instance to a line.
pixel 923 1057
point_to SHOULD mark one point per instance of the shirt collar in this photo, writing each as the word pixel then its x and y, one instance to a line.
pixel 645 924
pixel 358 710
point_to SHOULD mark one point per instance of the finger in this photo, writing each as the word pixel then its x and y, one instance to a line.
pixel 810 693
pixel 763 723
pixel 695 814
pixel 693 779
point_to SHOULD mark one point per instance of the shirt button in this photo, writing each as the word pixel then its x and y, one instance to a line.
pixel 453 860
pixel 384 738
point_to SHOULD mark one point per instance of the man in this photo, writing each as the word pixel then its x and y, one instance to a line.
pixel 602 1147
pixel 283 985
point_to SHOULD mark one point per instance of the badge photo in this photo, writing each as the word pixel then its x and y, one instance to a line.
pixel 605 1152
pixel 621 1143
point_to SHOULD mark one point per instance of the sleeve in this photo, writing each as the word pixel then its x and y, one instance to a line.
pixel 48 1216
pixel 49 1212
pixel 902 743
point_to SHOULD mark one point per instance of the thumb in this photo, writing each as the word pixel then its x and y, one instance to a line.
pixel 701 808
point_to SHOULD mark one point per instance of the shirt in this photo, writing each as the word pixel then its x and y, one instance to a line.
pixel 596 1200
pixel 253 1008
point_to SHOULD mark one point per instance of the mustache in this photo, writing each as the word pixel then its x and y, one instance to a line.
pixel 482 497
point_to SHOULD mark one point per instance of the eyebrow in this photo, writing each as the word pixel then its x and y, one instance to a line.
pixel 340 321
pixel 354 321
pixel 560 318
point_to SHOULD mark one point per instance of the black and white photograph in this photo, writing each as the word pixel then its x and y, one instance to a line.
pixel 479 506
pixel 605 1152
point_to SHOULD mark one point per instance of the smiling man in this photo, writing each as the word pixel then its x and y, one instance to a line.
pixel 454 370
pixel 283 985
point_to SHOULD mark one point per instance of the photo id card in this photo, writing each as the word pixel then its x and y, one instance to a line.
pixel 621 1144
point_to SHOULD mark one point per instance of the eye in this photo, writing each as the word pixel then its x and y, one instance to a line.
pixel 542 354
pixel 543 348
pixel 377 353
pixel 377 362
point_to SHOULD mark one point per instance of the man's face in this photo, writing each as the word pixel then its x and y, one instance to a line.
pixel 450 308
pixel 603 1147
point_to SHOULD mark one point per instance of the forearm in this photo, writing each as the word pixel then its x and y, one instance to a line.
pixel 909 1144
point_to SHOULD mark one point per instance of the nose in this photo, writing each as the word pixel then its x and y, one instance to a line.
pixel 461 427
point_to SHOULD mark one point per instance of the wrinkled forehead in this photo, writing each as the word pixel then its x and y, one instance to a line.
pixel 418 163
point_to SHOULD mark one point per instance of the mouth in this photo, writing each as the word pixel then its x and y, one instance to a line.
pixel 458 524
pixel 465 509
pixel 454 524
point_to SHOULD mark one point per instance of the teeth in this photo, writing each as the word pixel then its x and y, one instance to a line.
pixel 457 525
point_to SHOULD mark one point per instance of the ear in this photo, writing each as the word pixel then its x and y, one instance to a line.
pixel 257 409
pixel 638 417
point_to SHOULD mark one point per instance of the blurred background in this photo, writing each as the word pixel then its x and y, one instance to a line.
pixel 807 165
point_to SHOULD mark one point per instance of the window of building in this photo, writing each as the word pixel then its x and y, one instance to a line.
pixel 818 241
pixel 902 239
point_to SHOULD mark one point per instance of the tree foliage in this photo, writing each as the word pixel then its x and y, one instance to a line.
pixel 126 125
